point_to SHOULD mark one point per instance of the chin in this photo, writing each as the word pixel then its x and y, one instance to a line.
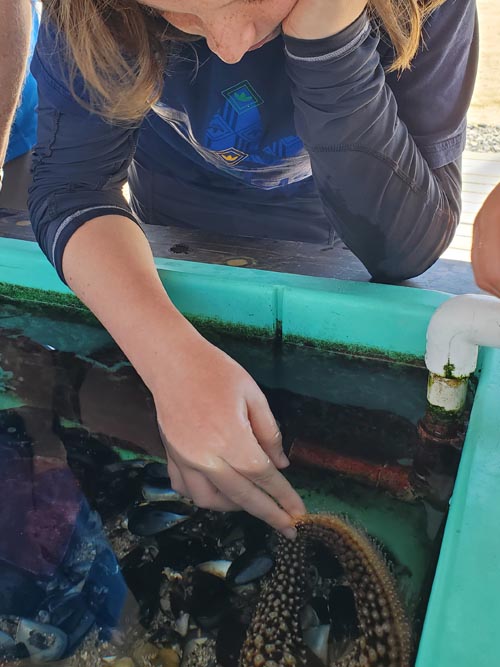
pixel 173 33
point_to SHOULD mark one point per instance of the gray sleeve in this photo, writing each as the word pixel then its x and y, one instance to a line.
pixel 381 195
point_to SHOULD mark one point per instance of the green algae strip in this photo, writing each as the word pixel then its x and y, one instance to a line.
pixel 70 306
pixel 39 300
pixel 357 351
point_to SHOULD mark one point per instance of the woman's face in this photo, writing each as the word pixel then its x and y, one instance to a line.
pixel 231 27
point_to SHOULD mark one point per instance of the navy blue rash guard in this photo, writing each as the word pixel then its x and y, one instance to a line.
pixel 301 140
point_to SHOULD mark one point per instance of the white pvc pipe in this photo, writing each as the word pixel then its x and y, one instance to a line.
pixel 455 332
pixel 449 395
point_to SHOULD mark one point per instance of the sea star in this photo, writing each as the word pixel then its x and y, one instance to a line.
pixel 274 637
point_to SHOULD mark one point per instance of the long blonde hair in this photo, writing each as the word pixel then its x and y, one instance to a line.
pixel 121 47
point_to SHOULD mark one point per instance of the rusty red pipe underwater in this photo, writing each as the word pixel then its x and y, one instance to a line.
pixel 394 478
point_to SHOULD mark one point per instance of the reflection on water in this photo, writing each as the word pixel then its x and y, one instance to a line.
pixel 59 576
pixel 102 563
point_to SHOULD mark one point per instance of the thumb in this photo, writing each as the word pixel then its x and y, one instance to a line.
pixel 266 429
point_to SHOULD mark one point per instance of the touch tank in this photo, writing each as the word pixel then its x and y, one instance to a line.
pixel 103 563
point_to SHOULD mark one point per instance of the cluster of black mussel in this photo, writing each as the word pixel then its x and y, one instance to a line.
pixel 193 575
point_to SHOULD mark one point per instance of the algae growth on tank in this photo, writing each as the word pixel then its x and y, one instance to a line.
pixel 103 563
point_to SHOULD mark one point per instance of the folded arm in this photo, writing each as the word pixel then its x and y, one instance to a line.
pixel 385 151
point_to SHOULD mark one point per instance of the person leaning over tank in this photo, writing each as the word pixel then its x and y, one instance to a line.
pixel 283 119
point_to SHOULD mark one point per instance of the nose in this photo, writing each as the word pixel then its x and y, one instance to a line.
pixel 231 41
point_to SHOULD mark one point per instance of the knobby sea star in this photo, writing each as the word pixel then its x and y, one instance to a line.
pixel 274 637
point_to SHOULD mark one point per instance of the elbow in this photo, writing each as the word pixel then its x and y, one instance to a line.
pixel 415 254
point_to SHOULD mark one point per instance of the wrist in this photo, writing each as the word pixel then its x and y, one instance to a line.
pixel 172 341
pixel 318 21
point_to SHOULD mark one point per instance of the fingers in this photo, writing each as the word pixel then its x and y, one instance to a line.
pixel 255 490
pixel 251 498
pixel 205 494
pixel 265 476
pixel 193 484
pixel 265 428
pixel 196 486
pixel 240 469
pixel 176 478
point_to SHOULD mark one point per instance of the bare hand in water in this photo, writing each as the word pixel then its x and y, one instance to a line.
pixel 223 445
pixel 222 442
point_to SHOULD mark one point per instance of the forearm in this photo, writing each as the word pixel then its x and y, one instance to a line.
pixel 303 22
pixel 109 265
pixel 378 190
pixel 15 25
